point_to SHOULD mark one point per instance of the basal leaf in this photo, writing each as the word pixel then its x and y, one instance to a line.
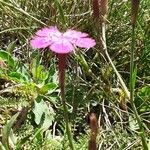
pixel 7 57
pixel 48 88
pixel 41 109
pixel 7 130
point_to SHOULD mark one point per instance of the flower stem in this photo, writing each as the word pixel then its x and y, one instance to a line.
pixel 132 84
pixel 61 67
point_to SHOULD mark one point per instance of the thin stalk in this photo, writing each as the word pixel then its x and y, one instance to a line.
pixel 139 121
pixel 103 40
pixel 61 67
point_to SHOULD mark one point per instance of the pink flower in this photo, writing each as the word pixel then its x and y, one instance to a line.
pixel 61 43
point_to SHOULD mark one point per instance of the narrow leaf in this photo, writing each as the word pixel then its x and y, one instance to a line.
pixel 7 130
pixel 7 57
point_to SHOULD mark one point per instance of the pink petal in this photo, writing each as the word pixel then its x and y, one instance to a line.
pixel 45 37
pixel 62 47
pixel 49 34
pixel 39 42
pixel 61 42
pixel 74 34
pixel 85 42
pixel 47 31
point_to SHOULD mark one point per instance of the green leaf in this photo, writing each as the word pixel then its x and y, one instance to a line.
pixel 134 76
pixel 48 88
pixel 11 47
pixel 7 131
pixel 17 76
pixel 133 123
pixel 7 57
pixel 49 117
pixel 145 92
pixel 148 143
pixel 39 73
pixel 40 109
pixel 1 146
pixel 83 63
pixel 22 142
pixel 12 139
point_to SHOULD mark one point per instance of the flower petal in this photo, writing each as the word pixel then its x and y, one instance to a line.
pixel 61 42
pixel 62 47
pixel 39 42
pixel 47 31
pixel 74 34
pixel 85 42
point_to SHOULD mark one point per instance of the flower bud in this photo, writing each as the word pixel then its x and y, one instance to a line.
pixel 134 11
pixel 104 7
pixel 96 8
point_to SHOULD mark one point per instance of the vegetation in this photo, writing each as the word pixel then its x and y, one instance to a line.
pixel 106 86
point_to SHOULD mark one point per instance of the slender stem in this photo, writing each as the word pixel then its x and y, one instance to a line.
pixel 139 121
pixel 61 66
pixel 103 40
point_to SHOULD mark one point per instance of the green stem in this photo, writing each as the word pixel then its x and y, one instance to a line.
pixel 61 65
pixel 132 84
